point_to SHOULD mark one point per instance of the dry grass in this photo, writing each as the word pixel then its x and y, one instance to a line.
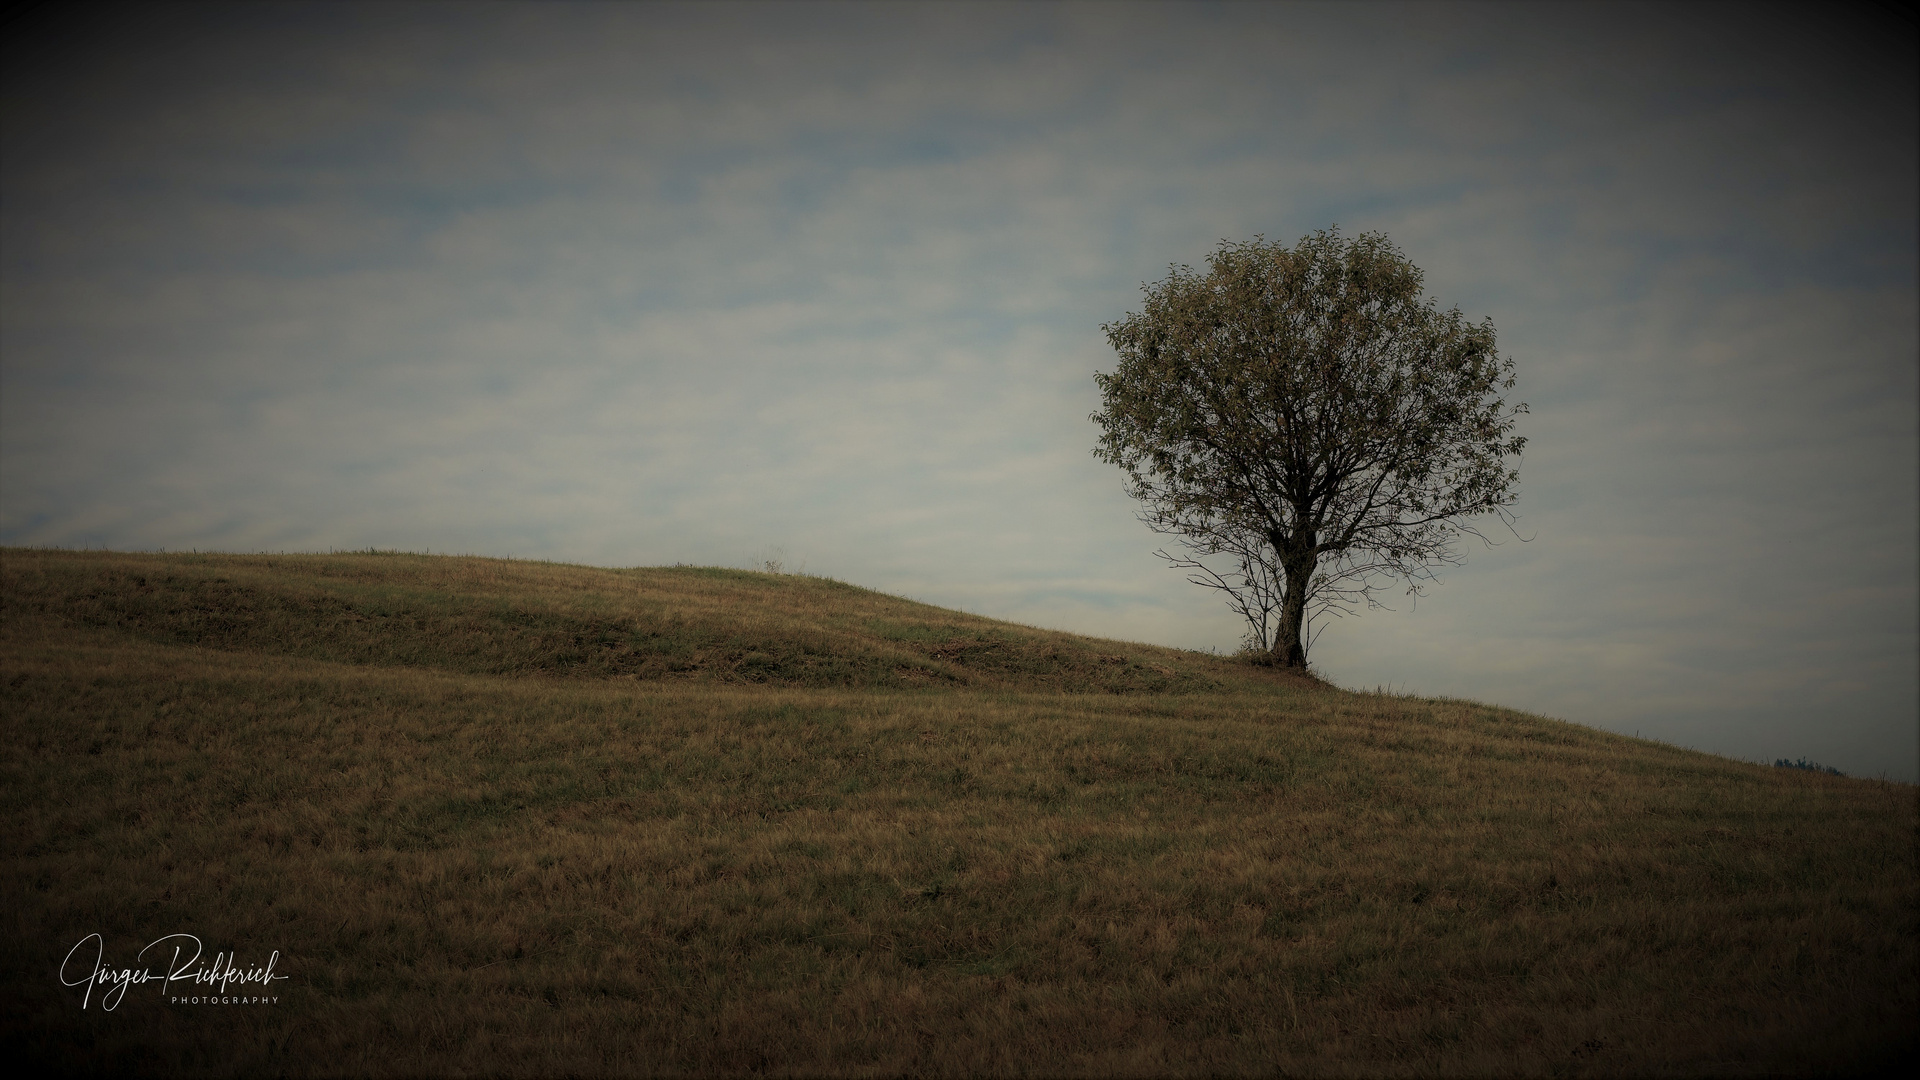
pixel 922 843
pixel 499 617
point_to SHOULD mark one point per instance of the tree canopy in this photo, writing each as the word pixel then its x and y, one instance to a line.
pixel 1309 426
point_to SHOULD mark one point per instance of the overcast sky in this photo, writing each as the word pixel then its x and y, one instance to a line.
pixel 634 284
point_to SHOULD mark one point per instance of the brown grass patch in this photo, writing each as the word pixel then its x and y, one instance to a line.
pixel 540 870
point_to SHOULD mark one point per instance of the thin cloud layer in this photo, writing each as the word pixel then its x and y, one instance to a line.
pixel 635 284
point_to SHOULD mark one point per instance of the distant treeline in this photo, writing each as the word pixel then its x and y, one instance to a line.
pixel 1810 766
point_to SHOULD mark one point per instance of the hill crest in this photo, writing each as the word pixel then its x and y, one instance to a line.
pixel 487 616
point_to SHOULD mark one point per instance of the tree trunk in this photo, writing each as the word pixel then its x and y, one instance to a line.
pixel 1289 650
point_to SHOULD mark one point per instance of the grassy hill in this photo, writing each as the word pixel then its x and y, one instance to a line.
pixel 510 817
pixel 498 617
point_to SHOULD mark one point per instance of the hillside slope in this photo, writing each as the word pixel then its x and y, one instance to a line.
pixel 513 818
pixel 502 617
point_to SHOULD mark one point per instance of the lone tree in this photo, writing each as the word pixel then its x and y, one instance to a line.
pixel 1305 418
